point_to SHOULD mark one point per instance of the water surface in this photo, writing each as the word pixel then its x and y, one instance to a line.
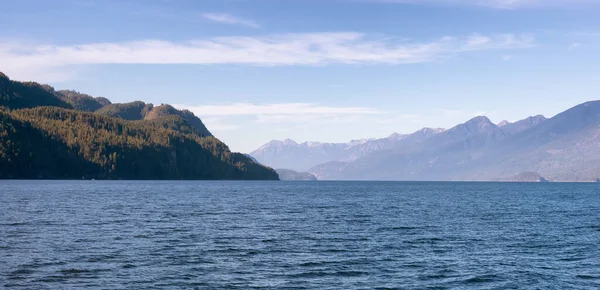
pixel 301 235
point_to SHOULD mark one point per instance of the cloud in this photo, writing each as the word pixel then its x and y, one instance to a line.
pixel 304 113
pixel 402 118
pixel 311 119
pixel 221 119
pixel 275 111
pixel 229 19
pixel 450 112
pixel 461 114
pixel 572 33
pixel 587 33
pixel 495 4
pixel 574 46
pixel 219 124
pixel 478 40
pixel 23 59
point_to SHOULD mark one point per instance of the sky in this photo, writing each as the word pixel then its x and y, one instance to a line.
pixel 313 70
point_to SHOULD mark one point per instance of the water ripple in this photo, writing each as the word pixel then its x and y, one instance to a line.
pixel 324 235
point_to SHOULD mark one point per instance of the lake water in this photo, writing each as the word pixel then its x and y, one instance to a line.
pixel 301 235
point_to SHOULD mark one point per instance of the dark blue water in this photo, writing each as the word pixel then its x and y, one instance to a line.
pixel 302 235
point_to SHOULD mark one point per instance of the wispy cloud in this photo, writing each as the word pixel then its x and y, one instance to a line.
pixel 229 19
pixel 310 119
pixel 23 60
pixel 229 117
pixel 246 109
pixel 315 113
pixel 574 45
pixel 572 33
pixel 401 118
pixel 495 4
pixel 219 124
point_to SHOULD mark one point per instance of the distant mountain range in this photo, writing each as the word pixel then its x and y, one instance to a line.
pixel 50 134
pixel 301 157
pixel 563 148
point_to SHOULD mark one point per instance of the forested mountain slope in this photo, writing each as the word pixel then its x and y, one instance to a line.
pixel 43 136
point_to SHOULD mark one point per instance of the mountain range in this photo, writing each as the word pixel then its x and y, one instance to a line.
pixel 562 148
pixel 301 157
pixel 50 134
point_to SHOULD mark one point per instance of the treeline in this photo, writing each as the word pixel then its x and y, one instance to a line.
pixel 42 137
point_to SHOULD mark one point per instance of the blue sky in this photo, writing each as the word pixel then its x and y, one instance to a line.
pixel 313 70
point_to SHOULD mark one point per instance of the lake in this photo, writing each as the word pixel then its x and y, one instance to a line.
pixel 301 235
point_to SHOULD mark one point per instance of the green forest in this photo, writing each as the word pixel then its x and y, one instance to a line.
pixel 52 134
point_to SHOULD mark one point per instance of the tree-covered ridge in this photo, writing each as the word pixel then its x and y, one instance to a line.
pixel 18 95
pixel 81 101
pixel 163 111
pixel 52 142
pixel 139 110
pixel 128 111
pixel 41 136
pixel 27 152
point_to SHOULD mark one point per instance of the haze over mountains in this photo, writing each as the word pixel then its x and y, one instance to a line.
pixel 301 157
pixel 563 148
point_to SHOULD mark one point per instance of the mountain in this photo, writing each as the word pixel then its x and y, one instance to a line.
pixel 475 133
pixel 524 177
pixel 503 123
pixel 127 111
pixel 419 157
pixel 302 156
pixel 522 125
pixel 56 134
pixel 79 101
pixel 286 174
pixel 563 148
pixel 299 157
pixel 19 95
pixel 162 111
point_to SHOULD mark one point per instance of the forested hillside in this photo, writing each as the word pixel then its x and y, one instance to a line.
pixel 43 136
